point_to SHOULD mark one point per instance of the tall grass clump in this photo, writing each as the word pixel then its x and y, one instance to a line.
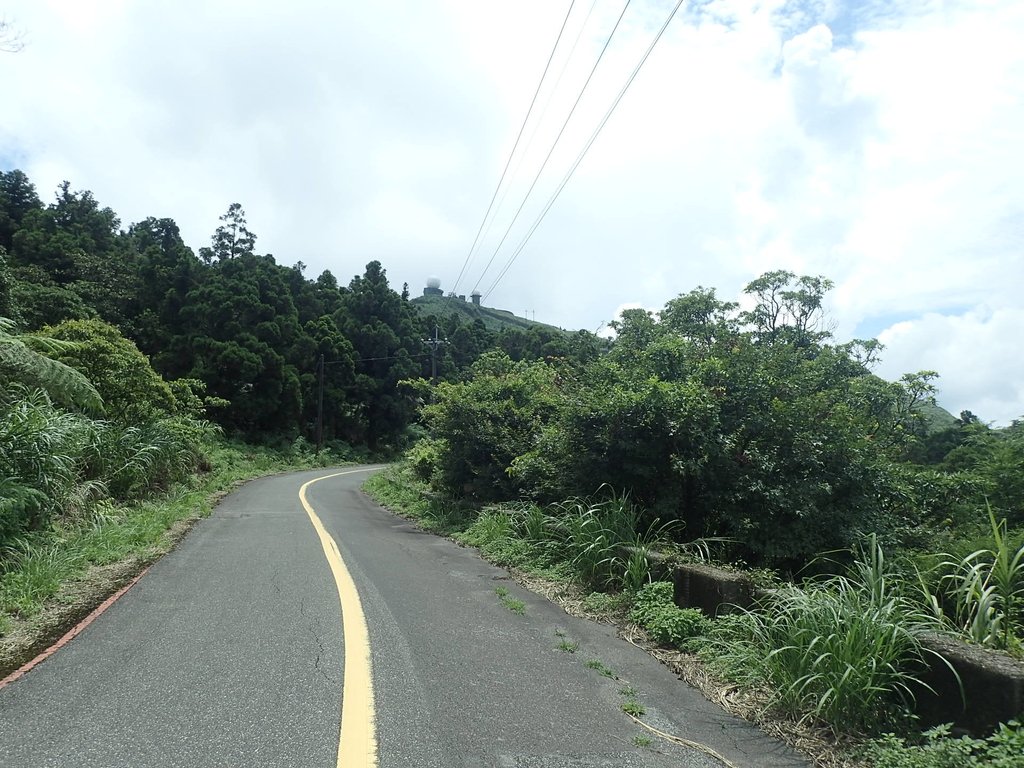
pixel 982 594
pixel 844 650
pixel 40 451
pixel 606 541
pixel 55 463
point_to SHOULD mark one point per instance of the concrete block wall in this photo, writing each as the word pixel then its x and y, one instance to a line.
pixel 993 683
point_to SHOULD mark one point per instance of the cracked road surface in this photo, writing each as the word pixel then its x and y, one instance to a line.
pixel 230 652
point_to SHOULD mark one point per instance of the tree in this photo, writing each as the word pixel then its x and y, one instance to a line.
pixel 701 318
pixel 232 238
pixel 243 332
pixel 132 392
pixel 17 198
pixel 70 259
pixel 386 334
pixel 787 306
pixel 166 271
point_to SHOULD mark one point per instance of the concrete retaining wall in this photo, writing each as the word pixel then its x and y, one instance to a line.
pixel 713 590
pixel 993 687
pixel 993 683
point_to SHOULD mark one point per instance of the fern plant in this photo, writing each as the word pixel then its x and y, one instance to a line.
pixel 22 364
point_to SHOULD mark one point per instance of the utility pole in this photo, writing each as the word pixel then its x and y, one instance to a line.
pixel 434 344
pixel 320 404
pixel 321 366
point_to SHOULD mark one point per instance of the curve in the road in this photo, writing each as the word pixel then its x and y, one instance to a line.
pixel 357 743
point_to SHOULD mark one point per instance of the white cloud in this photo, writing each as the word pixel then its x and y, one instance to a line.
pixel 975 354
pixel 878 143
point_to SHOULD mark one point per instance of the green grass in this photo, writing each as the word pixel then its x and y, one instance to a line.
pixel 842 651
pixel 34 568
pixel 513 604
pixel 601 542
pixel 598 666
pixel 642 741
pixel 398 489
pixel 633 707
pixel 567 646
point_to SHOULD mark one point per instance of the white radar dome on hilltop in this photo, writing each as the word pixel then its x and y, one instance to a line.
pixel 433 282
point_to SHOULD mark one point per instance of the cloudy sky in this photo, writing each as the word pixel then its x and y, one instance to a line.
pixel 877 142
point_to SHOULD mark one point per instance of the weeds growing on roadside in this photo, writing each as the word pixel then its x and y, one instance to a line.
pixel 633 707
pixel 598 666
pixel 513 604
pixel 844 651
pixel 938 749
pixel 666 623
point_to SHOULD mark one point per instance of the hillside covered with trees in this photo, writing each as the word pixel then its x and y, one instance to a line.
pixel 110 332
pixel 756 425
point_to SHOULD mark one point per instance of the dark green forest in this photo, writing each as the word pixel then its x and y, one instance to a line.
pixel 122 351
pixel 756 426
pixel 248 328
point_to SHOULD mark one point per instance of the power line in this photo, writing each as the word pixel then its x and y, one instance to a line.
pixel 586 148
pixel 511 154
pixel 555 144
pixel 540 119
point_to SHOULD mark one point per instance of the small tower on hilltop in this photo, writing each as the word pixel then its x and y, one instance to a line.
pixel 433 287
pixel 475 296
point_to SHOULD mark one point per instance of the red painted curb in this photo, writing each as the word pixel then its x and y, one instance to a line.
pixel 72 633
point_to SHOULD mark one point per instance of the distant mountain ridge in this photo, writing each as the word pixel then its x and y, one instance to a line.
pixel 493 319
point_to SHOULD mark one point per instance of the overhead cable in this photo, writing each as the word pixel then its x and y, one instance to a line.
pixel 555 144
pixel 511 154
pixel 540 119
pixel 582 154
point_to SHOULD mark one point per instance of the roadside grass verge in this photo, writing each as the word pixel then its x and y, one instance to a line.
pixel 52 577
pixel 601 543
pixel 829 666
pixel 398 489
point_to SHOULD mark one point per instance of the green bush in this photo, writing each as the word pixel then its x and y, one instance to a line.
pixel 481 426
pixel 1003 749
pixel 132 391
pixel 666 623
pixel 425 458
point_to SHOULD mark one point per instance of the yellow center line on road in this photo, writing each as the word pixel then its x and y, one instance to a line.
pixel 357 742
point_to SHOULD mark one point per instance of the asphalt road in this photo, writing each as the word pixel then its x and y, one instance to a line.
pixel 231 652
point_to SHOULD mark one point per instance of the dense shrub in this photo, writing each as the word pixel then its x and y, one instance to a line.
pixel 766 434
pixel 666 623
pixel 483 425
pixel 132 391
